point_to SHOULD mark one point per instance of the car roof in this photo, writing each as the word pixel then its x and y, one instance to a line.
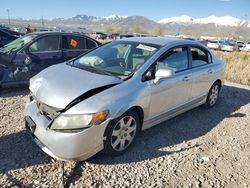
pixel 54 32
pixel 161 41
pixel 10 32
pixel 41 33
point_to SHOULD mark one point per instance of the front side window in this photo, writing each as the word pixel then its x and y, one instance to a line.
pixel 118 58
pixel 73 42
pixel 199 57
pixel 47 43
pixel 176 59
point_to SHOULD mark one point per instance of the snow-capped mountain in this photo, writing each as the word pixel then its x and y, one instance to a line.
pixel 180 19
pixel 219 21
pixel 88 19
pixel 114 17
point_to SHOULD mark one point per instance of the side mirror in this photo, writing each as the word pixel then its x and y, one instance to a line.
pixel 162 74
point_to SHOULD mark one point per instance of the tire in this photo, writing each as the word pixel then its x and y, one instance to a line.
pixel 121 133
pixel 213 95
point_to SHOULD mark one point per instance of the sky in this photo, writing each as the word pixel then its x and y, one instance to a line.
pixel 152 9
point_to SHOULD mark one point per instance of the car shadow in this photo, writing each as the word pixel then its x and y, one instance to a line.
pixel 19 151
pixel 185 127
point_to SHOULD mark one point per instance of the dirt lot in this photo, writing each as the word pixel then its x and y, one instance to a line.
pixel 201 148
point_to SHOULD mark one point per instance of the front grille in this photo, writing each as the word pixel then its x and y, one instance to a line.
pixel 47 111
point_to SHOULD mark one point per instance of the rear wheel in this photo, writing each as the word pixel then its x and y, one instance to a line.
pixel 213 95
pixel 121 133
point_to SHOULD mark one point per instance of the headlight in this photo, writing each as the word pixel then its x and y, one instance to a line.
pixel 79 121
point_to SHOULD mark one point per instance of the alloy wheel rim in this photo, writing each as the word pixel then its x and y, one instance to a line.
pixel 214 95
pixel 123 133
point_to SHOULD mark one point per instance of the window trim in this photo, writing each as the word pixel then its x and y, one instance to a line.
pixel 162 55
pixel 179 46
pixel 74 49
pixel 202 49
pixel 87 38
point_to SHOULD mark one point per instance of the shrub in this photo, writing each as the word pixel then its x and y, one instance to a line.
pixel 237 66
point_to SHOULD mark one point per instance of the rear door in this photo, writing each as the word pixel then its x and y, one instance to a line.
pixel 202 67
pixel 40 54
pixel 74 45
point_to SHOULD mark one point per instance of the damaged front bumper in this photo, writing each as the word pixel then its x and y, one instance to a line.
pixel 63 145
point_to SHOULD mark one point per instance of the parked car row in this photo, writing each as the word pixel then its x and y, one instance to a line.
pixel 114 36
pixel 28 55
pixel 228 45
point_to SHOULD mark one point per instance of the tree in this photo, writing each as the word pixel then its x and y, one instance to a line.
pixel 109 28
pixel 138 29
pixel 159 30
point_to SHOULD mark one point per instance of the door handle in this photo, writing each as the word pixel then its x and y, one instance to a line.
pixel 210 71
pixel 186 78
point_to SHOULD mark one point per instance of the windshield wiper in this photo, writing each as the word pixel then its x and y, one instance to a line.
pixel 96 70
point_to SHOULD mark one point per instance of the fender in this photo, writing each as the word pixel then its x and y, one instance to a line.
pixel 86 95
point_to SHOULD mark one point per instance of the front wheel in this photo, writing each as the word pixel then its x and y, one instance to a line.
pixel 121 133
pixel 213 95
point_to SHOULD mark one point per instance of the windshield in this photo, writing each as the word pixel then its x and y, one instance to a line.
pixel 118 58
pixel 18 43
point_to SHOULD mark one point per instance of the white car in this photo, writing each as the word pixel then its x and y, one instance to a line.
pixel 246 48
pixel 214 44
pixel 229 46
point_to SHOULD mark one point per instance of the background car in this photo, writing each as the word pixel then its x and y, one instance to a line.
pixel 246 47
pixel 25 57
pixel 229 46
pixel 100 35
pixel 240 44
pixel 113 36
pixel 126 36
pixel 103 99
pixel 214 44
pixel 7 35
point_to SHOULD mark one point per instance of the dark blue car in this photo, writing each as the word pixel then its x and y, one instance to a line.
pixel 28 55
pixel 7 35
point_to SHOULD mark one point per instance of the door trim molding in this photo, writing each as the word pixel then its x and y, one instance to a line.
pixel 173 112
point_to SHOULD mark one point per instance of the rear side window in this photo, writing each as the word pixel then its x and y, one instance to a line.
pixel 48 43
pixel 199 57
pixel 90 44
pixel 73 42
pixel 176 59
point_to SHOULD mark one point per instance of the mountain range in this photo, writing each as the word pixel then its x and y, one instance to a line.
pixel 225 26
pixel 218 21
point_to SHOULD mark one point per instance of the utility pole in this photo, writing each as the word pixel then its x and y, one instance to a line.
pixel 8 11
pixel 42 22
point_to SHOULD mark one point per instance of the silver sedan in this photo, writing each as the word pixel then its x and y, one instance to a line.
pixel 103 99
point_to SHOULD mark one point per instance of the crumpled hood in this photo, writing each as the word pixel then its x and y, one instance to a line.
pixel 60 84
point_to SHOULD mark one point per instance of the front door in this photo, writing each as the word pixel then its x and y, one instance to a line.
pixel 39 55
pixel 172 92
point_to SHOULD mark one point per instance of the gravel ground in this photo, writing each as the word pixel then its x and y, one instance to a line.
pixel 200 148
